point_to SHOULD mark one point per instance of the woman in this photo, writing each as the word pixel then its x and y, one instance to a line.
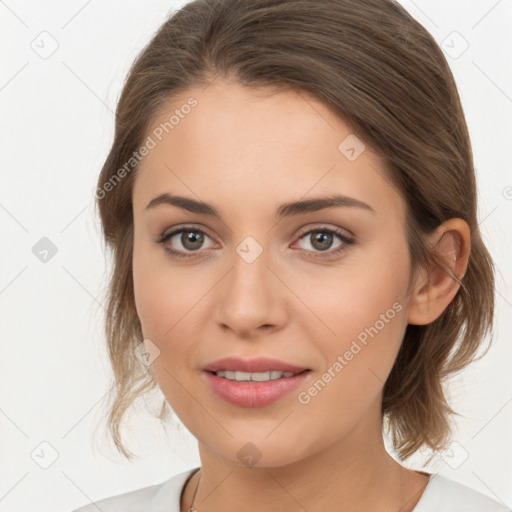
pixel 290 201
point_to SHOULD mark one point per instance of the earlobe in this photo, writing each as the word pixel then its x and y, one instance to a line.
pixel 434 291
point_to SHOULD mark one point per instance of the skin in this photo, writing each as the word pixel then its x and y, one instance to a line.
pixel 247 151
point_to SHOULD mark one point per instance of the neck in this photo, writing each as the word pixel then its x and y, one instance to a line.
pixel 354 474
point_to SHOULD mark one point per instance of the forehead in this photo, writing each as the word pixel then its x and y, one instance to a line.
pixel 258 146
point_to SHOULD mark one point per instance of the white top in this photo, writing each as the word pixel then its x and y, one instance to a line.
pixel 440 495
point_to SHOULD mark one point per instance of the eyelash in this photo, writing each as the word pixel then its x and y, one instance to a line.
pixel 315 254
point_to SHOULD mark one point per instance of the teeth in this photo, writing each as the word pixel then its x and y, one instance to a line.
pixel 256 376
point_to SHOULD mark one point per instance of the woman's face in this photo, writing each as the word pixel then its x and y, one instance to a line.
pixel 259 281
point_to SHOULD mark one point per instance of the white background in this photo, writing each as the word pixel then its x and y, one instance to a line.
pixel 56 127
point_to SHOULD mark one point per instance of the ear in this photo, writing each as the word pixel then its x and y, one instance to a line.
pixel 434 290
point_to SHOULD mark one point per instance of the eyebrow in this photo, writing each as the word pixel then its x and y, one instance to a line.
pixel 285 210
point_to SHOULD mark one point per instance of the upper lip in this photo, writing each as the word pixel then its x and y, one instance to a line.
pixel 260 364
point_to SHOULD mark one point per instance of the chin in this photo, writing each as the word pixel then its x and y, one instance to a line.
pixel 260 450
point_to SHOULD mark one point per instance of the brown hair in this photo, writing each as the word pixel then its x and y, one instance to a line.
pixel 377 68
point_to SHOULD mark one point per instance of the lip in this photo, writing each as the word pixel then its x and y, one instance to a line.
pixel 252 394
pixel 260 364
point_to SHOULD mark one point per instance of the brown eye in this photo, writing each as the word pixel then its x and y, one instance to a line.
pixel 184 242
pixel 321 240
pixel 191 240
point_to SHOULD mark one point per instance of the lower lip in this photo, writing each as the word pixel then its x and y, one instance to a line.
pixel 251 393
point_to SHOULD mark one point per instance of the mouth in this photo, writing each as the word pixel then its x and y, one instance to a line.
pixel 254 389
pixel 258 367
pixel 240 376
pixel 253 382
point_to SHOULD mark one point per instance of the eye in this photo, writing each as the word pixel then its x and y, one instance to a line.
pixel 188 240
pixel 322 238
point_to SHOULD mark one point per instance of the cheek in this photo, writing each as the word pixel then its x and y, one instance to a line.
pixel 366 310
pixel 150 299
pixel 369 322
pixel 169 304
pixel 162 296
pixel 162 301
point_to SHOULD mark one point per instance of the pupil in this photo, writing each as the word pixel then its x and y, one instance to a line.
pixel 324 240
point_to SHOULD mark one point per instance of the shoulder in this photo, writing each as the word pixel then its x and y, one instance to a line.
pixel 155 498
pixel 445 495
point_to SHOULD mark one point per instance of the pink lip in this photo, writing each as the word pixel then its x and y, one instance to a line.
pixel 254 394
pixel 260 364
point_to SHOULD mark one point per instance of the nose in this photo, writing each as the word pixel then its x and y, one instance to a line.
pixel 251 299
